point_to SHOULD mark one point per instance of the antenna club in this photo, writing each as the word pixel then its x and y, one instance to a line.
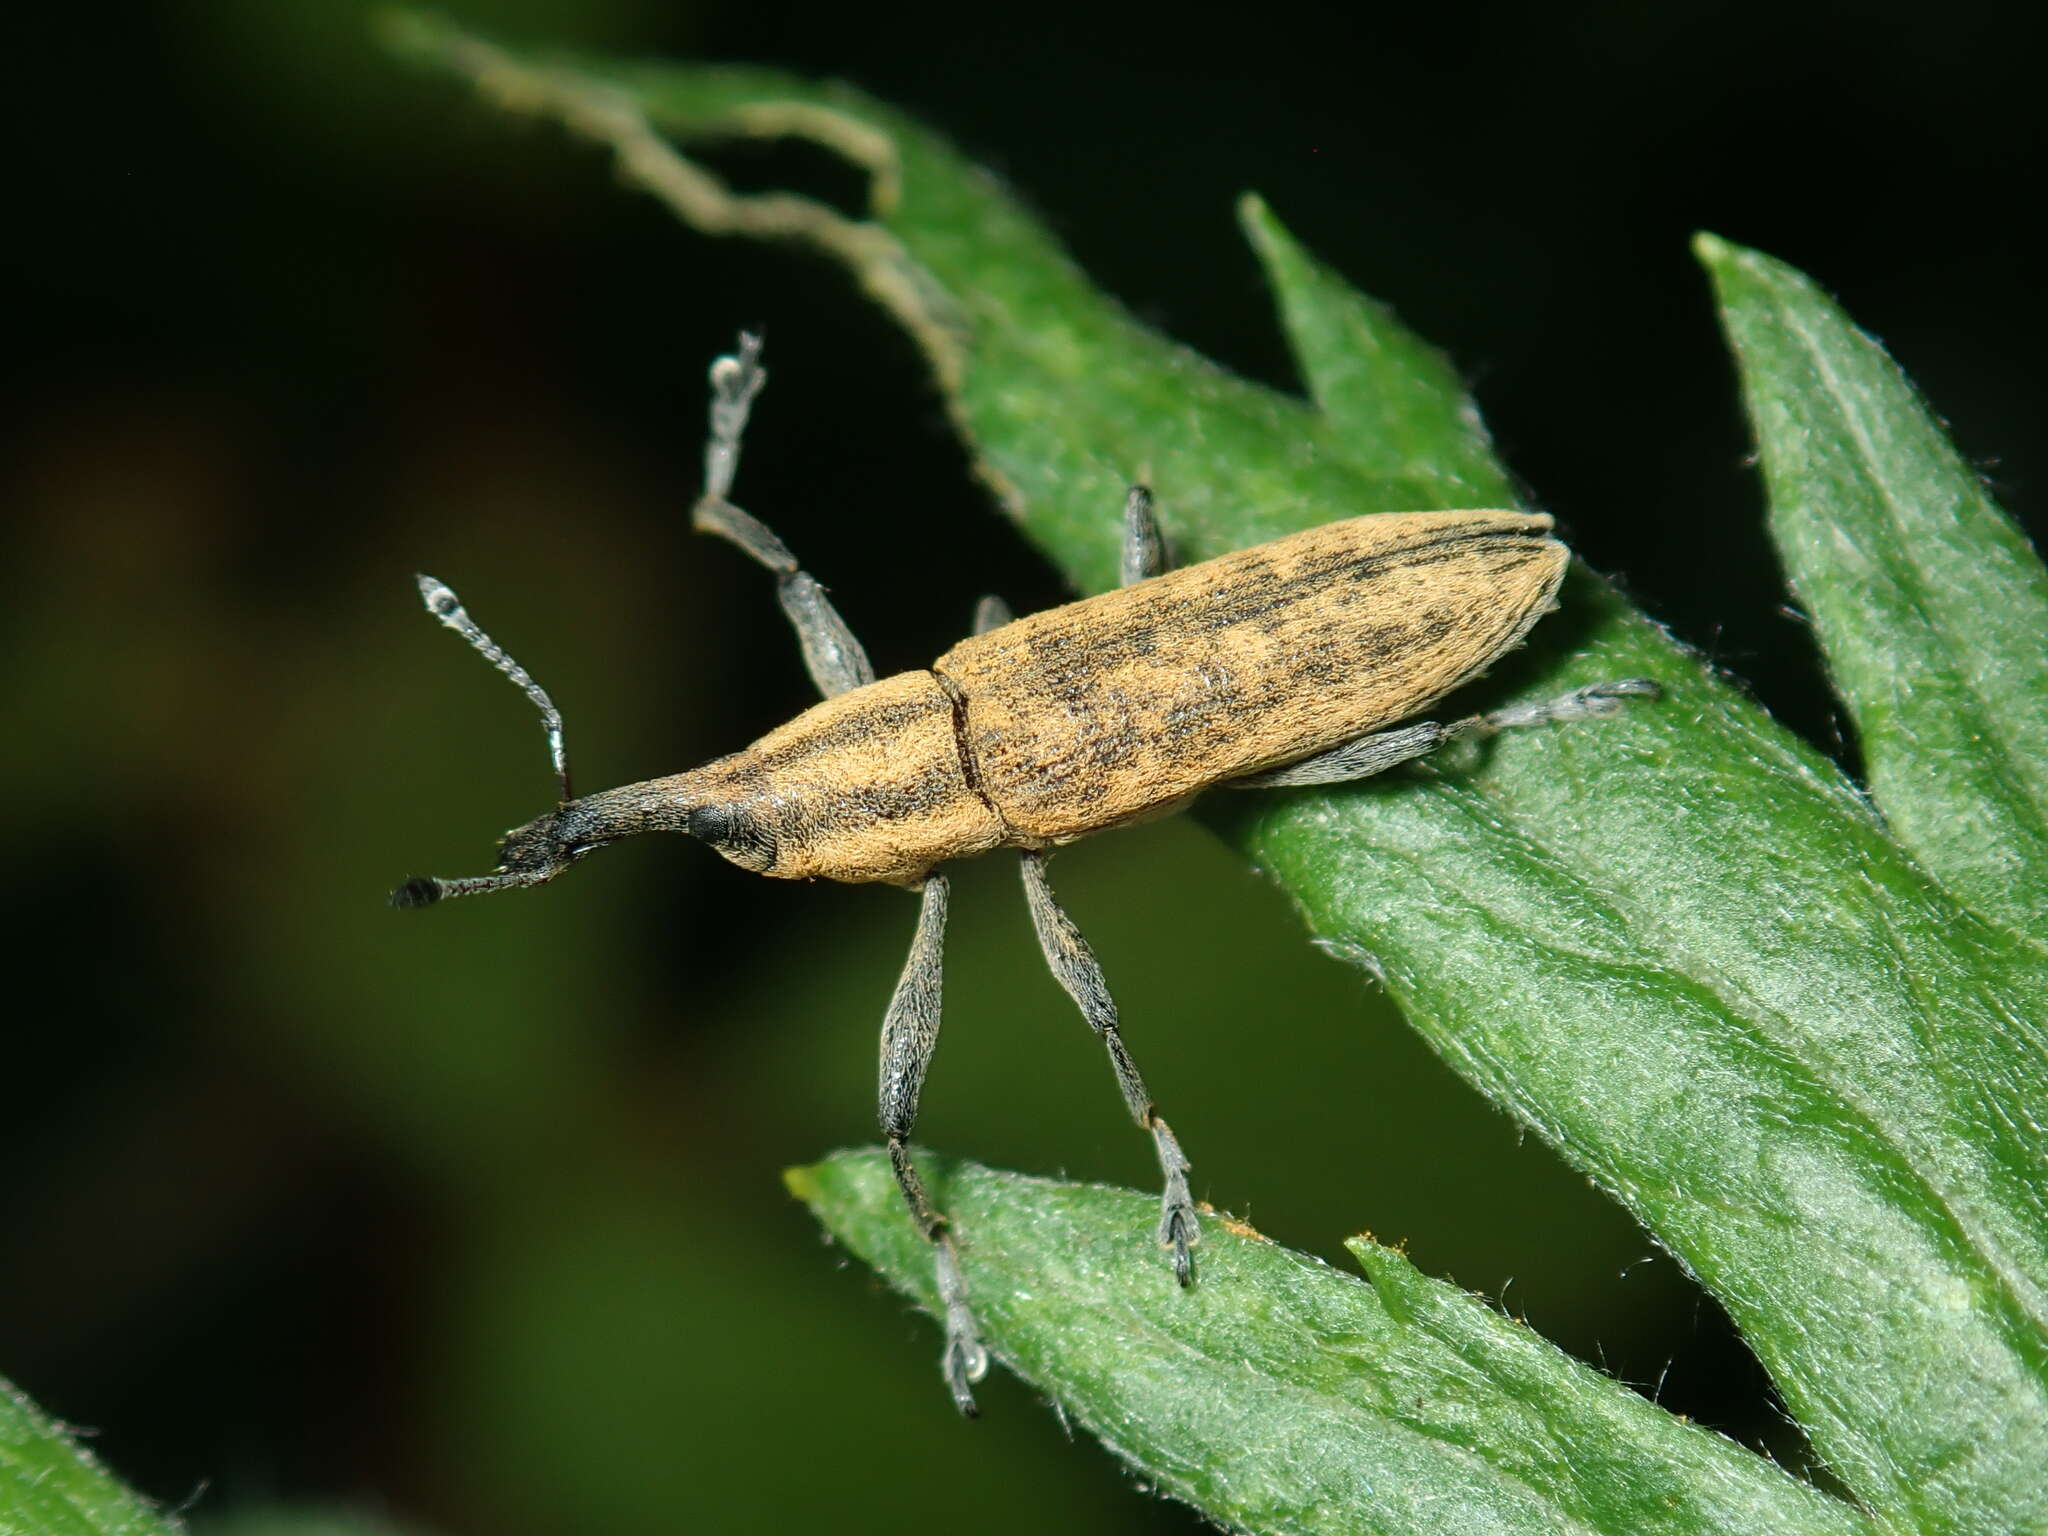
pixel 444 605
pixel 439 597
pixel 423 892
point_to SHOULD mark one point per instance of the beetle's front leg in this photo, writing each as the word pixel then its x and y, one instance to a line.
pixel 1075 967
pixel 833 657
pixel 909 1034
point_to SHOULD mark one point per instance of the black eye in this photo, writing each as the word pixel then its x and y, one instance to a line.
pixel 713 823
pixel 735 832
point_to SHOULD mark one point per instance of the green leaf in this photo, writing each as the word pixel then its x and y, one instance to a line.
pixel 1395 401
pixel 1691 962
pixel 1930 605
pixel 1329 1405
pixel 1677 942
pixel 52 1486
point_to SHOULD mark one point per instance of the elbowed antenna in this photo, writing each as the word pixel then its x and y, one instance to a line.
pixel 444 605
pixel 425 890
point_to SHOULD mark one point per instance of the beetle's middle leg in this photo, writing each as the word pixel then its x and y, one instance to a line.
pixel 910 1032
pixel 1365 756
pixel 991 613
pixel 1144 548
pixel 833 657
pixel 1075 967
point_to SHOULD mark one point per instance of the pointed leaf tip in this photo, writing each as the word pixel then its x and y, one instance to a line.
pixel 1283 1394
pixel 1927 600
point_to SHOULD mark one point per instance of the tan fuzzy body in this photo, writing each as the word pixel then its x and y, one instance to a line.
pixel 869 786
pixel 1119 706
pixel 1126 705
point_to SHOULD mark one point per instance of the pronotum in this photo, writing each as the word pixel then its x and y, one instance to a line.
pixel 1290 663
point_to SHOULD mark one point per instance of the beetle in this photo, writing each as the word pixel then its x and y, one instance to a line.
pixel 1290 663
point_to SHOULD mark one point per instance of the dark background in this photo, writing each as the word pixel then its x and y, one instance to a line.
pixel 475 1217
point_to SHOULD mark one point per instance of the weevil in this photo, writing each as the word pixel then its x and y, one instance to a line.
pixel 1290 663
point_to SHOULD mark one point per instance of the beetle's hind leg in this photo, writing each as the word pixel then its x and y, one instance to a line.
pixel 832 655
pixel 1075 967
pixel 1365 756
pixel 909 1034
